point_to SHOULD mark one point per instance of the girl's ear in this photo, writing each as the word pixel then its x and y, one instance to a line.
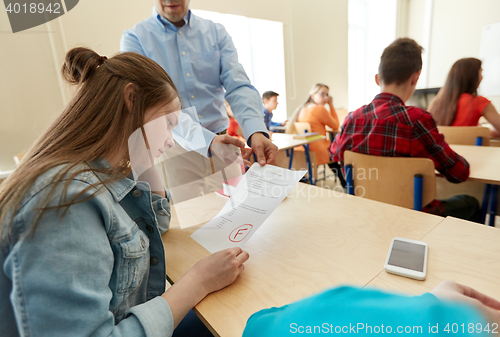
pixel 128 94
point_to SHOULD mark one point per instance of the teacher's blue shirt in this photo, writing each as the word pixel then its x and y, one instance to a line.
pixel 201 59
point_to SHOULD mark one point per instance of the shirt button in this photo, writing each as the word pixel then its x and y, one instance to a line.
pixel 180 33
pixel 143 244
pixel 162 213
pixel 149 228
pixel 188 74
pixel 137 193
pixel 153 261
pixel 183 53
pixel 192 96
pixel 199 116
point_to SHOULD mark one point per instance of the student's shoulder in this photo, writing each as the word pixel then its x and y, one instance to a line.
pixel 481 102
pixel 73 178
pixel 420 115
pixel 317 109
pixel 361 112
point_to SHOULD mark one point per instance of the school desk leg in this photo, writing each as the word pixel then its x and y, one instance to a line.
pixel 289 153
pixel 492 210
pixel 309 166
pixel 486 202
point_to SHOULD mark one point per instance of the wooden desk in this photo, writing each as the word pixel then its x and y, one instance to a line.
pixel 331 133
pixel 278 129
pixel 495 142
pixel 484 167
pixel 286 141
pixel 314 240
pixel 460 251
pixel 484 162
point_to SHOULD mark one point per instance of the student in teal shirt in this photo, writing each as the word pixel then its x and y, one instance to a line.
pixel 450 309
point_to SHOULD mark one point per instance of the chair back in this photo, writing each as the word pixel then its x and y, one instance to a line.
pixel 465 135
pixel 341 114
pixel 302 127
pixel 391 179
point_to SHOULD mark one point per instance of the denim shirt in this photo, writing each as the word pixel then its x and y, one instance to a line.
pixel 97 271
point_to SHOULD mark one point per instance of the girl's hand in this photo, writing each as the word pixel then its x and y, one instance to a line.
pixel 210 274
pixel 220 269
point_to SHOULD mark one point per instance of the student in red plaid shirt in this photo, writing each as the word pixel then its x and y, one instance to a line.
pixel 387 127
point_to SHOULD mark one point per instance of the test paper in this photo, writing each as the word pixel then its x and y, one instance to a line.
pixel 257 195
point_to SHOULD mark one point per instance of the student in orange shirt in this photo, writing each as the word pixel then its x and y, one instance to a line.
pixel 313 111
pixel 234 129
pixel 457 103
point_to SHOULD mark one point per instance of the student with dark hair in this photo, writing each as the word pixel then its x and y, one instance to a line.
pixel 270 101
pixel 458 104
pixel 387 127
pixel 81 249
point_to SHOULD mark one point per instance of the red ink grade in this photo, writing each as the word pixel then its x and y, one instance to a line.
pixel 240 233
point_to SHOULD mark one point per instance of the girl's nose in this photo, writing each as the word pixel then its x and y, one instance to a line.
pixel 169 143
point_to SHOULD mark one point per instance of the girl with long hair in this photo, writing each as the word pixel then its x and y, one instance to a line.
pixel 81 249
pixel 313 111
pixel 458 104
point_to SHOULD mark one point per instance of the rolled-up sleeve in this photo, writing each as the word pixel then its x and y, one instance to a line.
pixel 161 207
pixel 155 317
pixel 244 99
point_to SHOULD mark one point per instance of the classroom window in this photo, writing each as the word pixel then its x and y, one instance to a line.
pixel 372 27
pixel 260 51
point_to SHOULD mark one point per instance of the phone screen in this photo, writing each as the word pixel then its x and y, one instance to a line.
pixel 407 255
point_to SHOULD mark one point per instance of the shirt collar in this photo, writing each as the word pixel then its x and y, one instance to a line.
pixel 265 110
pixel 118 189
pixel 169 25
pixel 389 97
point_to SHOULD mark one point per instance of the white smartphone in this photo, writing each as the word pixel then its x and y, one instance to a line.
pixel 407 258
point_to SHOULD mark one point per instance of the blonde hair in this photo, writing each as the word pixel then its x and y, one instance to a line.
pixel 95 123
pixel 290 125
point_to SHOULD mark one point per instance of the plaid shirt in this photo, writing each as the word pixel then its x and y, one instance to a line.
pixel 387 127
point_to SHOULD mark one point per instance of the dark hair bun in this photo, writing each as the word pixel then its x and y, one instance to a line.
pixel 79 64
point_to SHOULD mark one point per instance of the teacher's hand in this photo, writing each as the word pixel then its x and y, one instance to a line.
pixel 263 148
pixel 220 146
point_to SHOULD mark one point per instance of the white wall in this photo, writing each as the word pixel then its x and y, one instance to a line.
pixel 315 33
pixel 31 93
pixel 31 90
